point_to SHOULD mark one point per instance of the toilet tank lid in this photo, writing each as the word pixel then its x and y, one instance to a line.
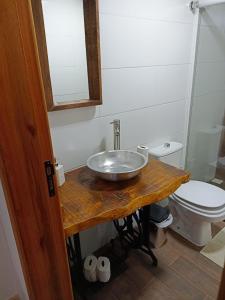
pixel 201 194
pixel 165 149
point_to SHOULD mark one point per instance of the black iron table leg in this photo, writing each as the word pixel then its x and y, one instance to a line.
pixel 77 247
pixel 74 251
pixel 146 233
pixel 137 237
pixel 76 265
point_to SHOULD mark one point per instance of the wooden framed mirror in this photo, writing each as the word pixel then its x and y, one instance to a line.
pixel 69 52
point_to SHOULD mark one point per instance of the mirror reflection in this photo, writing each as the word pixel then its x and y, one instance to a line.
pixel 65 37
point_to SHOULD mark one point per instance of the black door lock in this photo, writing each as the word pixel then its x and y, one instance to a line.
pixel 50 171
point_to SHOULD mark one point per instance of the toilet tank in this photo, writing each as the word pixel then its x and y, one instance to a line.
pixel 169 153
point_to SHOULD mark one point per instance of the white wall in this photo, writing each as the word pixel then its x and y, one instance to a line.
pixel 208 103
pixel 146 56
pixel 11 276
pixel 64 27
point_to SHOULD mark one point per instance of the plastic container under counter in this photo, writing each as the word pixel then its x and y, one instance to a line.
pixel 160 220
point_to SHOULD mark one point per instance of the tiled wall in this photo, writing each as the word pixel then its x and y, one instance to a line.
pixel 8 285
pixel 11 278
pixel 208 103
pixel 146 56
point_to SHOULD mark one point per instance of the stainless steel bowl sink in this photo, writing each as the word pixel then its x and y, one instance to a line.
pixel 117 165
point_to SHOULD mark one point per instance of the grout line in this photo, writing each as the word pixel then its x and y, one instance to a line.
pixel 146 18
pixel 151 66
pixel 82 164
pixel 141 108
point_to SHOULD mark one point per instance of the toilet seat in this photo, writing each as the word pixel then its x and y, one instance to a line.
pixel 215 212
pixel 201 194
pixel 201 198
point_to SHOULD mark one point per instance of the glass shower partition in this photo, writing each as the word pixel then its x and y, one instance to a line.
pixel 206 143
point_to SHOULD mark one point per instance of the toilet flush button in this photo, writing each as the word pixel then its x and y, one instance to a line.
pixel 167 145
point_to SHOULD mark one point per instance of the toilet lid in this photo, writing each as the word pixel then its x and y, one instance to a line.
pixel 201 194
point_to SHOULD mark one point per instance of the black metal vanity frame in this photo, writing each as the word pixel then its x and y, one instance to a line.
pixel 130 237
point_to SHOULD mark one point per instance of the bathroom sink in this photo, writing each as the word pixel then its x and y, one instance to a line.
pixel 117 165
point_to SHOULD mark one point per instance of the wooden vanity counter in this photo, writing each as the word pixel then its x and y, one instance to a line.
pixel 88 200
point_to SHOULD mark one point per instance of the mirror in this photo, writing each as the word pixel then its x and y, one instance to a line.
pixel 68 44
pixel 65 37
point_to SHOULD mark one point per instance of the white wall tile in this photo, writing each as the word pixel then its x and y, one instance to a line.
pixel 75 136
pixel 169 10
pixel 74 143
pixel 102 234
pixel 145 51
pixel 130 42
pixel 12 280
pixel 133 88
pixel 153 125
pixel 8 284
pixel 72 116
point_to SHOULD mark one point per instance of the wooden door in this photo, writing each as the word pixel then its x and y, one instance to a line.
pixel 24 147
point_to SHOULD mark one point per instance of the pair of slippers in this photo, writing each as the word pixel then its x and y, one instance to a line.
pixel 97 269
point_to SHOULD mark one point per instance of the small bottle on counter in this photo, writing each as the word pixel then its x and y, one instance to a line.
pixel 59 169
pixel 143 150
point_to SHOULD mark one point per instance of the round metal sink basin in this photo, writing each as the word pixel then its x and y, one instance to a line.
pixel 117 165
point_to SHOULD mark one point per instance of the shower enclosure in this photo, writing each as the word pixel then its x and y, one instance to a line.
pixel 206 142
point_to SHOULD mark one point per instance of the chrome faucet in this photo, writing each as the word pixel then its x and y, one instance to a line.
pixel 116 131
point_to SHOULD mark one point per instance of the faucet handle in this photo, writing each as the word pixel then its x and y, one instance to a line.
pixel 116 130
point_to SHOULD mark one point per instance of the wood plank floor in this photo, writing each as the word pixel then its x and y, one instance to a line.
pixel 182 274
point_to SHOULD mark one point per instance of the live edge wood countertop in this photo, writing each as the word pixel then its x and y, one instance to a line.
pixel 88 200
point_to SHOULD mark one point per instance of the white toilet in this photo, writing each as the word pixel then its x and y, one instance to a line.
pixel 196 204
